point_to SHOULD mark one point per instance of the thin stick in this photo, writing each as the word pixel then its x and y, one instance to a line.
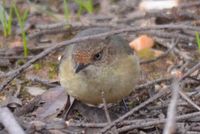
pixel 9 122
pixel 194 68
pixel 170 126
pixel 105 107
pixel 186 98
pixel 133 124
pixel 106 112
pixel 158 95
pixel 156 122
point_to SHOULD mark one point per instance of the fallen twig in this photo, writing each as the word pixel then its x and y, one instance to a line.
pixel 9 122
pixel 158 95
pixel 170 126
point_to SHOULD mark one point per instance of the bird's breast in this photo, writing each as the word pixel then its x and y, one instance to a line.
pixel 116 80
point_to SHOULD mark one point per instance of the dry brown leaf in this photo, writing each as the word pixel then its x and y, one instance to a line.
pixel 55 100
pixel 142 42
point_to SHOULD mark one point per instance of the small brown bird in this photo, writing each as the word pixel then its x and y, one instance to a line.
pixel 99 65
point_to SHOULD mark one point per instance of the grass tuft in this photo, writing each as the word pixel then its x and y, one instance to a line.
pixel 21 21
pixel 66 9
pixel 86 5
pixel 6 20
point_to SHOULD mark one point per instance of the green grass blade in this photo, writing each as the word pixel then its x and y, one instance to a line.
pixel 25 44
pixel 21 21
pixel 3 20
pixel 89 6
pixel 25 16
pixel 10 19
pixel 66 9
pixel 197 39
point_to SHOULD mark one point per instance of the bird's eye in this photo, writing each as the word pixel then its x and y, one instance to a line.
pixel 98 56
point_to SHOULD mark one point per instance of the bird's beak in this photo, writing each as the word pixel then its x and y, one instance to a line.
pixel 79 67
